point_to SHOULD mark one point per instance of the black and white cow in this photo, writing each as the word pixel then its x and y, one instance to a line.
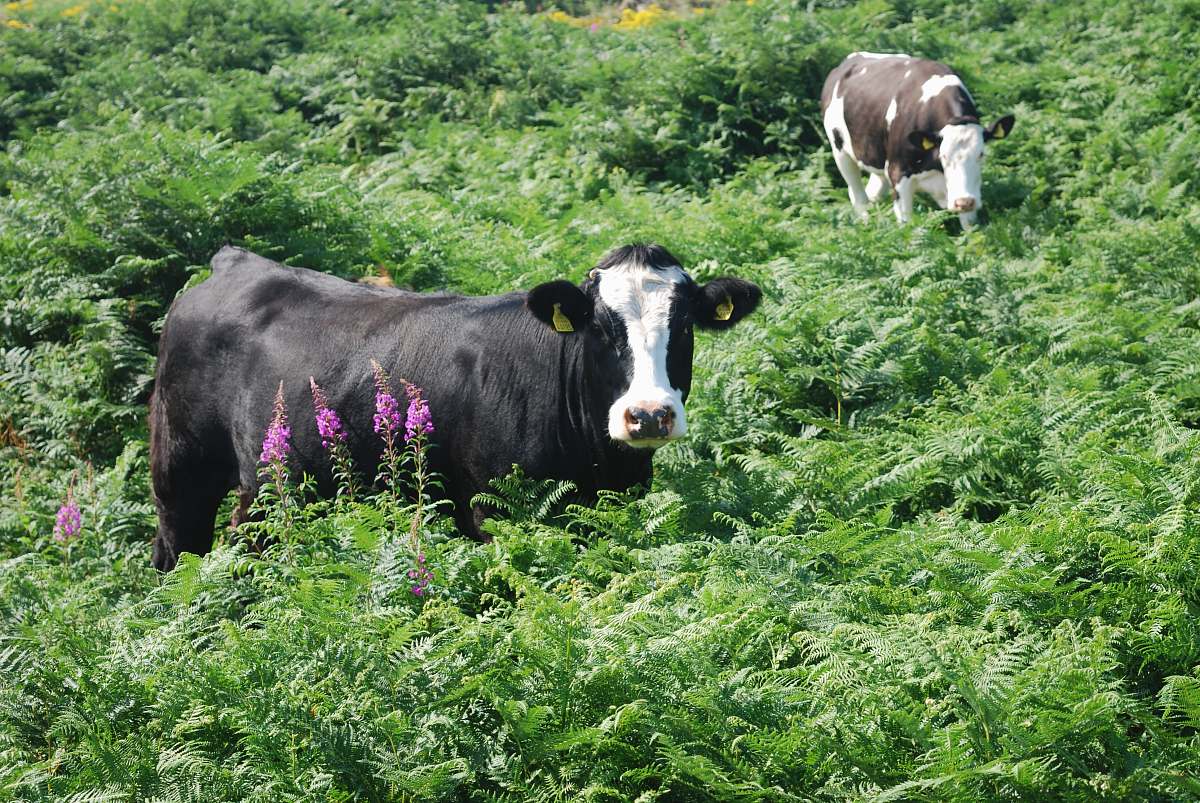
pixel 912 125
pixel 573 382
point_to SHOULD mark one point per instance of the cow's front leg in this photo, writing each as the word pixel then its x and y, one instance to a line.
pixel 877 188
pixel 903 203
pixel 851 172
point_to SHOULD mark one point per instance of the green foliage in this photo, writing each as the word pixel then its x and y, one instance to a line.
pixel 933 535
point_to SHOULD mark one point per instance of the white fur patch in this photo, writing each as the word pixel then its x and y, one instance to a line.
pixel 642 298
pixel 939 83
pixel 835 120
pixel 865 54
pixel 892 109
pixel 932 183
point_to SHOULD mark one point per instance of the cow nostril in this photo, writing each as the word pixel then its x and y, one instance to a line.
pixel 964 204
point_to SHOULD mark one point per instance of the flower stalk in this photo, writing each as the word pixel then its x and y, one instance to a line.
pixel 275 449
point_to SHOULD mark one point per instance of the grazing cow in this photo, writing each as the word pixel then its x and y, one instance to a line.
pixel 910 123
pixel 573 382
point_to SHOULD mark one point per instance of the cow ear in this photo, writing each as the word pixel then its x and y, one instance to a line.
pixel 923 140
pixel 560 305
pixel 723 302
pixel 999 129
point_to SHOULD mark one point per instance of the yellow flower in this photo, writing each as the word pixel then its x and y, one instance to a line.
pixel 632 20
pixel 16 24
pixel 578 22
pixel 12 6
pixel 74 10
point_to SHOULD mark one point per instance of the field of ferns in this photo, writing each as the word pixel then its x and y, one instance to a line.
pixel 934 535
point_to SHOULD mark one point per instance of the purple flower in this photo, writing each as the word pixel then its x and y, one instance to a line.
pixel 329 425
pixel 277 442
pixel 69 521
pixel 421 575
pixel 387 410
pixel 418 421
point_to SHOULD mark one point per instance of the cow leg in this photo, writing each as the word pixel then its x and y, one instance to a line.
pixel 187 510
pixel 469 518
pixel 852 173
pixel 877 188
pixel 478 514
pixel 903 203
pixel 241 513
pixel 187 487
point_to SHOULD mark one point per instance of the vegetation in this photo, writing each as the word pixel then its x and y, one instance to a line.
pixel 935 534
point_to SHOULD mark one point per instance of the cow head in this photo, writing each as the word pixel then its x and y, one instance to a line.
pixel 635 314
pixel 959 149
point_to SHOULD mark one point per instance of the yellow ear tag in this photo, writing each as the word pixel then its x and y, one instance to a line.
pixel 724 310
pixel 926 143
pixel 1000 133
pixel 561 322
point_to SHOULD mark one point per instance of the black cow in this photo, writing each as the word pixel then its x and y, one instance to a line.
pixel 573 382
pixel 910 122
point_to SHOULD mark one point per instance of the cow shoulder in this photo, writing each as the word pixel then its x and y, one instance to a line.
pixel 916 110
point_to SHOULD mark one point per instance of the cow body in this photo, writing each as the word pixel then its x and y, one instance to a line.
pixel 504 385
pixel 911 125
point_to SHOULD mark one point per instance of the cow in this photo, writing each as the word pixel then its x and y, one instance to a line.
pixel 912 125
pixel 575 382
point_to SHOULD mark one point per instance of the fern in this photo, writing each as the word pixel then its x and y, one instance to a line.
pixel 523 498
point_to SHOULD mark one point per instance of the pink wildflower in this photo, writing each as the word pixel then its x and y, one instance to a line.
pixel 69 521
pixel 418 421
pixel 420 575
pixel 329 425
pixel 277 442
pixel 387 410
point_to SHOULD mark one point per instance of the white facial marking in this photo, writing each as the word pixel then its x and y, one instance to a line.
pixel 642 297
pixel 906 74
pixel 892 108
pixel 961 154
pixel 939 83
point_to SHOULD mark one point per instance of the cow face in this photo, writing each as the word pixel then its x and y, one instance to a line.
pixel 636 311
pixel 959 150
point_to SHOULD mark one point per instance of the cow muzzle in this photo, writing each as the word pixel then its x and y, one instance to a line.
pixel 967 204
pixel 650 422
